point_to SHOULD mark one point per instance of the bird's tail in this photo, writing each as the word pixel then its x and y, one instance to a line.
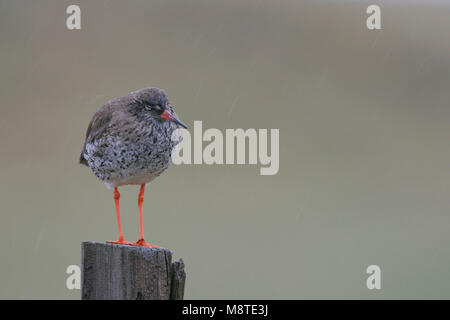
pixel 82 160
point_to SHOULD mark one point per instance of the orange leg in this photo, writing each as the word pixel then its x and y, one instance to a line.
pixel 116 201
pixel 141 241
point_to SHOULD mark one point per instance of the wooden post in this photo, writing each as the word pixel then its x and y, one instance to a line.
pixel 121 272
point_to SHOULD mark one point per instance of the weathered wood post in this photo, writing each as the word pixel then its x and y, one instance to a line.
pixel 121 272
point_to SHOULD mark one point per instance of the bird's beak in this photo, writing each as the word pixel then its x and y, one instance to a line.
pixel 168 116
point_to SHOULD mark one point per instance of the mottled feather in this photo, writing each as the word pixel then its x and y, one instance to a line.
pixel 125 144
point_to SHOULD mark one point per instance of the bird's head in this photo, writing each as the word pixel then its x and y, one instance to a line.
pixel 156 102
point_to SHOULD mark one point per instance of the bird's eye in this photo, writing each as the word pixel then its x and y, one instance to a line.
pixel 158 108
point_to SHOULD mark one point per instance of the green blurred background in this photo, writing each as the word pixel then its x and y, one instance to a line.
pixel 364 123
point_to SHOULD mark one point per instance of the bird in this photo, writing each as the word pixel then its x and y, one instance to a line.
pixel 129 142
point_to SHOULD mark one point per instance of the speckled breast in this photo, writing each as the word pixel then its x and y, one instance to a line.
pixel 136 157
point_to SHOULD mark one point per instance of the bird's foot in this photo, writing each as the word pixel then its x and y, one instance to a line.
pixel 143 243
pixel 121 241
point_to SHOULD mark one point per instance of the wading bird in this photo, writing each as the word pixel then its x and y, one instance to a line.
pixel 129 142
